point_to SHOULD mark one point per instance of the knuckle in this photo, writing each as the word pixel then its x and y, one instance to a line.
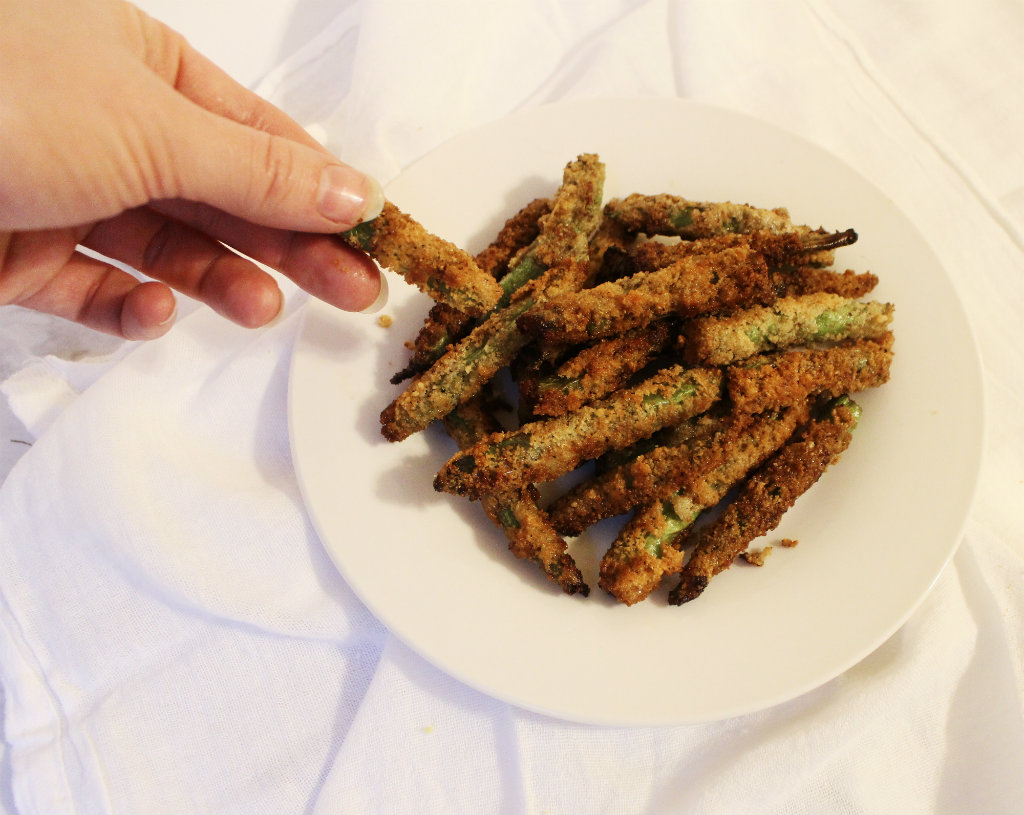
pixel 273 172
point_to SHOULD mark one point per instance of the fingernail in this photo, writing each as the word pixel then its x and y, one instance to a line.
pixel 380 300
pixel 133 330
pixel 170 318
pixel 280 310
pixel 348 197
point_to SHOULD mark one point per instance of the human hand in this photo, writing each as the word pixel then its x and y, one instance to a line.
pixel 117 136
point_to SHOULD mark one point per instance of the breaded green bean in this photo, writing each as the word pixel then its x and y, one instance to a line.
pixel 548 448
pixel 647 547
pixel 565 231
pixel 445 324
pixel 697 283
pixel 517 512
pixel 653 475
pixel 692 285
pixel 802 279
pixel 810 318
pixel 599 369
pixel 472 362
pixel 435 266
pixel 787 377
pixel 785 248
pixel 556 262
pixel 666 214
pixel 765 497
pixel 518 232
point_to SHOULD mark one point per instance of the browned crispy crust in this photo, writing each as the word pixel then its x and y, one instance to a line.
pixel 517 513
pixel 597 370
pixel 692 285
pixel 789 248
pixel 785 378
pixel 435 266
pixel 531 537
pixel 516 233
pixel 633 574
pixel 445 324
pixel 630 571
pixel 546 449
pixel 803 279
pixel 659 214
pixel 763 500
pixel 651 476
pixel 737 334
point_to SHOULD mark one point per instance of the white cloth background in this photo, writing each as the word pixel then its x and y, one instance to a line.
pixel 174 637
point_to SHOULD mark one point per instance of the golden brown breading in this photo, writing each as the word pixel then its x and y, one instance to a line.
pixel 548 448
pixel 786 378
pixel 809 318
pixel 597 370
pixel 517 513
pixel 649 545
pixel 764 498
pixel 665 214
pixel 473 361
pixel 435 266
pixel 694 284
pixel 445 324
pixel 802 279
pixel 650 476
pixel 518 232
pixel 777 249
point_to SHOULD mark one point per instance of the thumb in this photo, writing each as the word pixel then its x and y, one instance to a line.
pixel 261 177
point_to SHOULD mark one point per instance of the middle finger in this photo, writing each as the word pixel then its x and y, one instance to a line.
pixel 190 262
pixel 319 264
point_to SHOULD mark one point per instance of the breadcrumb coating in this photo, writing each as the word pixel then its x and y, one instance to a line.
pixel 789 377
pixel 435 266
pixel 546 449
pixel 802 319
pixel 764 498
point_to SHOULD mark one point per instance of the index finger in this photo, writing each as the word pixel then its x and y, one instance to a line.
pixel 171 57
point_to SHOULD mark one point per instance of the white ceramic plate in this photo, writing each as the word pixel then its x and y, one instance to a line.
pixel 874 533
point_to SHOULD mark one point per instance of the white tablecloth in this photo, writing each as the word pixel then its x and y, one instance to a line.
pixel 173 637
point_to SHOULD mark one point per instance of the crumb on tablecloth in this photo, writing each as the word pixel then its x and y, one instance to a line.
pixel 756 558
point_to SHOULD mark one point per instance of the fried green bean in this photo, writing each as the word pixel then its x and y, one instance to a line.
pixel 692 285
pixel 597 370
pixel 445 324
pixel 565 231
pixel 786 377
pixel 559 256
pixel 778 249
pixel 765 496
pixel 546 449
pixel 794 280
pixel 518 232
pixel 647 547
pixel 666 214
pixel 517 513
pixel 473 361
pixel 810 318
pixel 695 283
pixel 435 266
pixel 652 475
